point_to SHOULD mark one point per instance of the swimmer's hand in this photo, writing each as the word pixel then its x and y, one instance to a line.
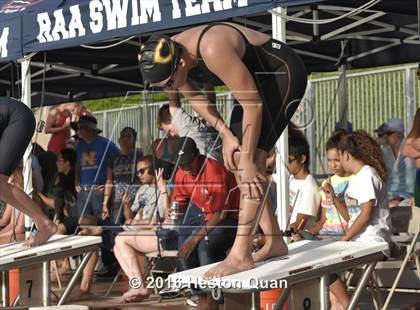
pixel 252 181
pixel 230 146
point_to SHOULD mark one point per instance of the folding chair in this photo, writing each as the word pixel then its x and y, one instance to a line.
pixel 151 259
pixel 404 219
pixel 154 268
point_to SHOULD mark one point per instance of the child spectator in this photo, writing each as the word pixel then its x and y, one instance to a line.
pixel 362 156
pixel 334 213
pixel 304 192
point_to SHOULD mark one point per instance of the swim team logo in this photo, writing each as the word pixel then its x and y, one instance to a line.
pixel 17 5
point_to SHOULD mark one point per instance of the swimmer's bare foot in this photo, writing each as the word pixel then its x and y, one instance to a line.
pixel 230 265
pixel 44 233
pixel 136 294
pixel 273 247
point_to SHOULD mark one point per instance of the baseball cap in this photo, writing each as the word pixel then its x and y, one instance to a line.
pixel 348 126
pixel 158 58
pixel 185 150
pixel 391 125
pixel 86 120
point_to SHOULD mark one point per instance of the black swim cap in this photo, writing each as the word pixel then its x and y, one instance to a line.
pixel 158 58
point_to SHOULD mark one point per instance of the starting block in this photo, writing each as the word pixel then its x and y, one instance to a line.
pixel 18 255
pixel 307 260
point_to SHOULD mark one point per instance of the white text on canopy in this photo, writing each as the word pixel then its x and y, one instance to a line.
pixel 107 15
pixel 4 38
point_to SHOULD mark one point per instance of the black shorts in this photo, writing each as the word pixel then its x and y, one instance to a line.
pixel 17 125
pixel 281 85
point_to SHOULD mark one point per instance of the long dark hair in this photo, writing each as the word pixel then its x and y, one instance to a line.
pixel 363 147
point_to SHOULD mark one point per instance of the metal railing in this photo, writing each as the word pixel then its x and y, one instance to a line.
pixel 373 97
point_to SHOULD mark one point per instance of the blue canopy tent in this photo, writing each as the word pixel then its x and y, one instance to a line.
pixel 62 29
pixel 65 36
pixel 69 64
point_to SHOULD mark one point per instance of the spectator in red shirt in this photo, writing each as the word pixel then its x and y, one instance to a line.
pixel 58 125
pixel 209 194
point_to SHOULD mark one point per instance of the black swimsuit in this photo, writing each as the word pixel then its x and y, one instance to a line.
pixel 17 125
pixel 280 77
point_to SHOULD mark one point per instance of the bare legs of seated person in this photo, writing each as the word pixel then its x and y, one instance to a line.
pixel 240 257
pixel 17 198
pixel 128 246
pixel 13 224
pixel 338 295
pixel 90 266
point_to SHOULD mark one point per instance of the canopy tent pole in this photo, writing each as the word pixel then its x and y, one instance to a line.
pixel 282 156
pixel 146 124
pixel 27 157
pixel 342 98
pixel 342 93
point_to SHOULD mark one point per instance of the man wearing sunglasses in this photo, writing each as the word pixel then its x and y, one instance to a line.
pixel 400 169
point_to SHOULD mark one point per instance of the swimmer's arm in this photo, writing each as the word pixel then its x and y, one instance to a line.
pixel 241 84
pixel 361 221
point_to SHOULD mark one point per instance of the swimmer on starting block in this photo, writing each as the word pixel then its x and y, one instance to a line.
pixel 17 125
pixel 268 81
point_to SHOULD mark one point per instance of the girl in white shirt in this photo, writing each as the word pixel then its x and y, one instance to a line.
pixel 370 220
pixel 362 156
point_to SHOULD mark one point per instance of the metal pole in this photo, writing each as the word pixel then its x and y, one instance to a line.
pixel 310 132
pixel 255 296
pixel 105 125
pixel 283 298
pixel 27 159
pixel 74 279
pixel 46 283
pixel 5 288
pixel 323 292
pixel 410 96
pixel 279 33
pixel 146 122
pixel 342 98
pixel 365 277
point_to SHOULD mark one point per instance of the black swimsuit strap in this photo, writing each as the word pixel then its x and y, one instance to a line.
pixel 207 28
